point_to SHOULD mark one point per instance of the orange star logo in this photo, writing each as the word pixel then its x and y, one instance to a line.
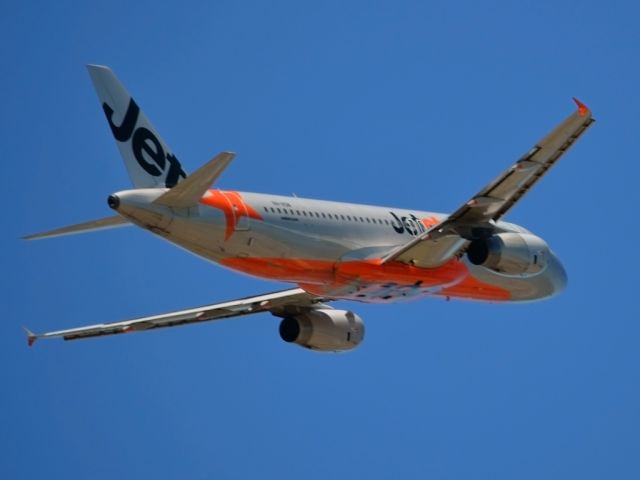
pixel 232 205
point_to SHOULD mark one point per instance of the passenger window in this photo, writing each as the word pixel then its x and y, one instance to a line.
pixel 279 211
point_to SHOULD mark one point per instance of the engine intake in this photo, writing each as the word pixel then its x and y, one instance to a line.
pixel 324 329
pixel 510 253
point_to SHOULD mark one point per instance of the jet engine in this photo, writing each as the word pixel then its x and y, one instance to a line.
pixel 325 329
pixel 509 253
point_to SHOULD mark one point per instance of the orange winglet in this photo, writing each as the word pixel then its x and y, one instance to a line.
pixel 582 108
pixel 31 337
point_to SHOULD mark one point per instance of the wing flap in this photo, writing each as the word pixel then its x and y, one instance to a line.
pixel 431 252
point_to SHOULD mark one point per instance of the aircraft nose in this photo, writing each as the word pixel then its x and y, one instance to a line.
pixel 558 275
pixel 113 201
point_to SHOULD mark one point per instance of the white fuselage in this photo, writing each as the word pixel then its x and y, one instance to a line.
pixel 328 248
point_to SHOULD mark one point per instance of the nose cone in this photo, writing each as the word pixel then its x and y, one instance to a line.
pixel 558 275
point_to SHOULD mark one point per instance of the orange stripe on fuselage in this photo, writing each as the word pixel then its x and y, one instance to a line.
pixel 323 276
pixel 371 271
pixel 284 269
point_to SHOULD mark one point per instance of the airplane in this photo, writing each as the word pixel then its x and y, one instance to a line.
pixel 329 250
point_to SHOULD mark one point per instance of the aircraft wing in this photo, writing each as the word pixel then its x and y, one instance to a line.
pixel 477 216
pixel 279 303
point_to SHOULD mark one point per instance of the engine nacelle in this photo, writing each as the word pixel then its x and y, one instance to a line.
pixel 324 329
pixel 510 253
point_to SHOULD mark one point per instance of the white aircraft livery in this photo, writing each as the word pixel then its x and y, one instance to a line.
pixel 328 250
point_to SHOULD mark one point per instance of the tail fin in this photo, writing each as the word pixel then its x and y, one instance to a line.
pixel 147 157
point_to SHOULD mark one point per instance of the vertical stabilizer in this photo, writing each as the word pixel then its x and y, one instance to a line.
pixel 148 158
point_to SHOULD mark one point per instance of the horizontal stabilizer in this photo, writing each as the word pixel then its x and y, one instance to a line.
pixel 189 192
pixel 93 225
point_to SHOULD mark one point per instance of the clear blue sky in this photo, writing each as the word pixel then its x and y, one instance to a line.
pixel 407 104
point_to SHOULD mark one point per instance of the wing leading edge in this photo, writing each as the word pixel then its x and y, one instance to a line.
pixel 279 303
pixel 448 238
